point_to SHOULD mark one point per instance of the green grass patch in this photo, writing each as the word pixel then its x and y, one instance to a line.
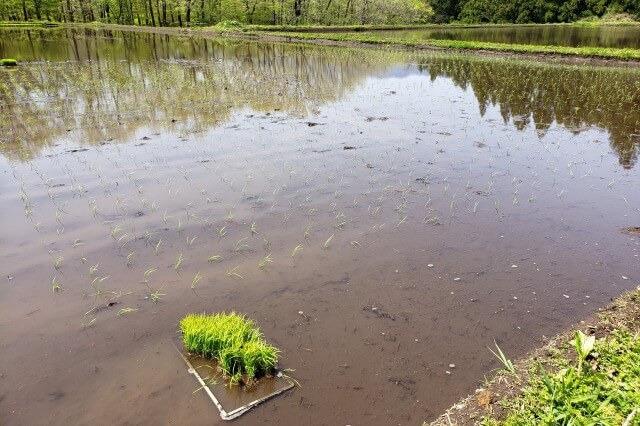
pixel 601 387
pixel 232 340
pixel 593 52
pixel 8 62
pixel 27 24
pixel 230 26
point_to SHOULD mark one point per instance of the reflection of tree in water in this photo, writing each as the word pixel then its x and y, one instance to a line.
pixel 117 83
pixel 575 97
pixel 115 86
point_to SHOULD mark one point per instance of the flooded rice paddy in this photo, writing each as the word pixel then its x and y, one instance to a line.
pixel 552 35
pixel 382 216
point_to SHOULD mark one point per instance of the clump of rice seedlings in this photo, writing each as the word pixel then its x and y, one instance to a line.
pixel 241 245
pixel 233 341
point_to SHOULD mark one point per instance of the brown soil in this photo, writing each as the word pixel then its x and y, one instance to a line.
pixel 623 312
pixel 632 230
pixel 212 33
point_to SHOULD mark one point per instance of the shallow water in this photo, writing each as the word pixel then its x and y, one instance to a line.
pixel 552 35
pixel 415 208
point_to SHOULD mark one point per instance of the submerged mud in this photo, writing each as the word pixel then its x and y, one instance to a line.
pixel 382 216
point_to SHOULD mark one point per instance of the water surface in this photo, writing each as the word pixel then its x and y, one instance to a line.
pixel 552 35
pixel 414 207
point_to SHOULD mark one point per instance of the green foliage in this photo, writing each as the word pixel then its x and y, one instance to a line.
pixel 604 394
pixel 197 13
pixel 584 346
pixel 508 365
pixel 233 341
pixel 318 12
pixel 8 62
pixel 230 25
pixel 538 11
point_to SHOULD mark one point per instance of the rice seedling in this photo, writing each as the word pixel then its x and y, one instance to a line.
pixel 178 262
pixel 232 273
pixel 90 323
pixel 196 280
pixel 58 262
pixel 116 229
pixel 254 229
pixel 222 232
pixel 55 286
pixel 307 232
pixel 214 258
pixel 93 269
pixel 166 217
pixel 125 311
pixel 157 247
pixel 156 296
pixel 508 365
pixel 130 259
pixel 233 341
pixel 240 245
pixel 326 243
pixel 296 249
pixel 265 261
pixel 147 274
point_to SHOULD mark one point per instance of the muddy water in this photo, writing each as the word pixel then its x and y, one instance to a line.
pixel 415 208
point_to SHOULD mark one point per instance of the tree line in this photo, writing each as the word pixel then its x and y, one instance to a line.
pixel 317 12
pixel 209 12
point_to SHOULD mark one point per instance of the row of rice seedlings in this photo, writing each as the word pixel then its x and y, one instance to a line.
pixel 120 236
pixel 233 341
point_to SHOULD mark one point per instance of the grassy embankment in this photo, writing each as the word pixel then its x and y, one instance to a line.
pixel 577 378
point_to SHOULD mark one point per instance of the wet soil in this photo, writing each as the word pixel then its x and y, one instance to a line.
pixel 621 313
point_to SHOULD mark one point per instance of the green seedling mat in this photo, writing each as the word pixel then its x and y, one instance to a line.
pixel 232 401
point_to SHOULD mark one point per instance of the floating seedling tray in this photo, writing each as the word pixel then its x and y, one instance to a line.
pixel 231 400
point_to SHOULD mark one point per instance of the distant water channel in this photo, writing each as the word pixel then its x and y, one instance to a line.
pixel 552 35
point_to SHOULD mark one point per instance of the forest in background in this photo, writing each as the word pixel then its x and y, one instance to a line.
pixel 313 12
